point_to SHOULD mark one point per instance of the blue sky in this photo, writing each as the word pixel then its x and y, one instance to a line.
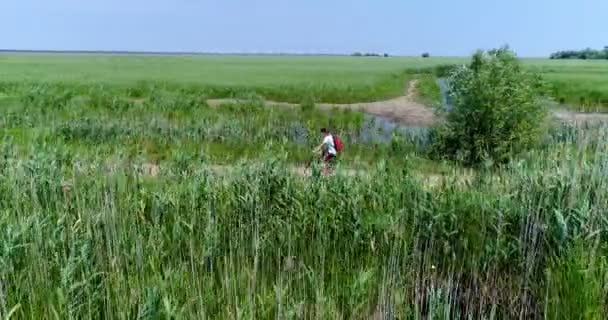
pixel 409 27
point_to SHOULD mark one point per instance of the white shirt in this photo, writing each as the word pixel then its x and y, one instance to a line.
pixel 328 142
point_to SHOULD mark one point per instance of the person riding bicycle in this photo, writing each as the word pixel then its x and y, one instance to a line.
pixel 327 147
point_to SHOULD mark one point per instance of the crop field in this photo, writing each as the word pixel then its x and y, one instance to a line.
pixel 128 191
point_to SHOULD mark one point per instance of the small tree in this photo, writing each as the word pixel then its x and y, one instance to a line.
pixel 495 110
pixel 426 55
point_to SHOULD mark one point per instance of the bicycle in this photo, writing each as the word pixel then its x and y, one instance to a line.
pixel 327 167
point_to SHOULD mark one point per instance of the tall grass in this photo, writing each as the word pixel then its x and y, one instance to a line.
pixel 113 206
pixel 83 242
pixel 163 121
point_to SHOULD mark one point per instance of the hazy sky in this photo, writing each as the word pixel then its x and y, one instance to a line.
pixel 441 27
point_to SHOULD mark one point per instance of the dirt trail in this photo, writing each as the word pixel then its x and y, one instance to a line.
pixel 403 109
pixel 579 118
pixel 406 110
pixel 301 171
pixel 430 180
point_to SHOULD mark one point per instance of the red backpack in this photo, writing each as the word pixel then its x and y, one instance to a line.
pixel 338 143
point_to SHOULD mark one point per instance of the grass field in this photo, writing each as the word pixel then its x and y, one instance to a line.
pixel 129 200
pixel 292 79
pixel 580 84
pixel 238 71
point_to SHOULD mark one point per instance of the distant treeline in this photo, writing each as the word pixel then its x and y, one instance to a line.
pixel 587 54
pixel 360 54
pixel 162 53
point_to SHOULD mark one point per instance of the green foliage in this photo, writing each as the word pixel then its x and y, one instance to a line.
pixel 577 285
pixel 587 54
pixel 495 111
pixel 47 96
pixel 428 90
pixel 445 70
pixel 307 105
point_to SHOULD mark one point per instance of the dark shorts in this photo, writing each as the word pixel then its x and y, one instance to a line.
pixel 328 157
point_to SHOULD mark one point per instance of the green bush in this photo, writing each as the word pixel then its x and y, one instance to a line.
pixel 445 70
pixel 495 110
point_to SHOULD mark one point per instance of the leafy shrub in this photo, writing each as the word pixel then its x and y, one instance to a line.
pixel 495 111
pixel 426 55
pixel 445 70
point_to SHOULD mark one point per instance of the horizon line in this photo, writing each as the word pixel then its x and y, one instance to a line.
pixel 205 53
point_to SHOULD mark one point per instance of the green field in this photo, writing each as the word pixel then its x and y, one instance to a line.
pixel 581 84
pixel 327 79
pixel 238 71
pixel 125 195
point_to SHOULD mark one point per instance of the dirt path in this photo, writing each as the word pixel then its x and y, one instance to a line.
pixel 580 118
pixel 404 109
pixel 430 180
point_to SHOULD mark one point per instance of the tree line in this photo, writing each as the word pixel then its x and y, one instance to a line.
pixel 369 54
pixel 586 54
